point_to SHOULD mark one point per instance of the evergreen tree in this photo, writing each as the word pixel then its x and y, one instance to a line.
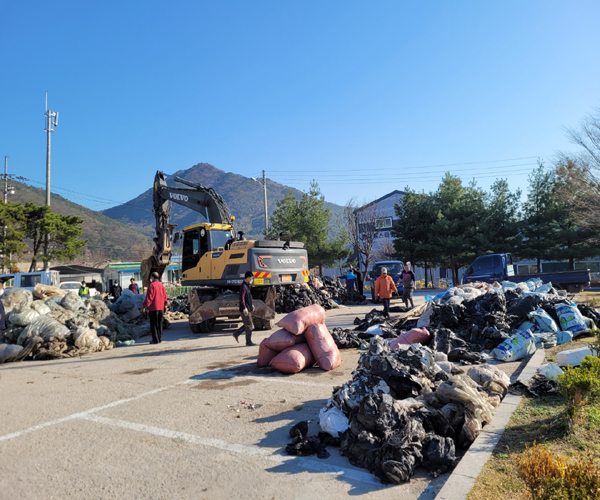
pixel 53 236
pixel 538 227
pixel 12 233
pixel 414 238
pixel 500 225
pixel 307 220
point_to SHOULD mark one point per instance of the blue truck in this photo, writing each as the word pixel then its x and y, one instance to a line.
pixel 500 267
pixel 394 270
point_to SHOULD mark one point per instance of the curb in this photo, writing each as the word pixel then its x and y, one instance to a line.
pixel 463 477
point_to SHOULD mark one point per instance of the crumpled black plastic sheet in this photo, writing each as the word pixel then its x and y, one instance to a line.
pixel 537 386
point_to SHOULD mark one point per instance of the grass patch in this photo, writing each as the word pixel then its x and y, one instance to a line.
pixel 544 421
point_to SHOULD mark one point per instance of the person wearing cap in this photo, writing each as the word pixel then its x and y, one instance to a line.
pixel 2 311
pixel 408 281
pixel 246 310
pixel 84 291
pixel 384 287
pixel 155 303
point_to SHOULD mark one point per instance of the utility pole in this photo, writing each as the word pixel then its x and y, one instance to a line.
pixel 51 122
pixel 264 186
pixel 7 190
pixel 5 183
pixel 265 199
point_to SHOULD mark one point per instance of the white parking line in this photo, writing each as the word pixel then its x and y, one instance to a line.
pixel 17 434
pixel 302 462
pixel 81 414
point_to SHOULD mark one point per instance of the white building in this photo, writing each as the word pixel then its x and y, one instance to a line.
pixel 382 210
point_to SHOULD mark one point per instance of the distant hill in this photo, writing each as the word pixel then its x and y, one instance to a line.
pixel 243 195
pixel 108 239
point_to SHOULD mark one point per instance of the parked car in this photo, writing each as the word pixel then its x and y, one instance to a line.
pixel 74 286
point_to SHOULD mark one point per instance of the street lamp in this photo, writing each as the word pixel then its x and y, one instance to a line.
pixel 264 185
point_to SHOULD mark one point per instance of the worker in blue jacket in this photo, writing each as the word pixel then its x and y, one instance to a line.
pixel 350 281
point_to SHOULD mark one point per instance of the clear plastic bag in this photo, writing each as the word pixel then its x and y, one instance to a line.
pixel 9 351
pixel 22 315
pixel 12 297
pixel 550 371
pixel 85 337
pixel 97 309
pixel 40 307
pixel 44 327
pixel 72 302
pixel 124 303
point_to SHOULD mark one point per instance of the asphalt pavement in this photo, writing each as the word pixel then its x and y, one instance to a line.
pixel 192 417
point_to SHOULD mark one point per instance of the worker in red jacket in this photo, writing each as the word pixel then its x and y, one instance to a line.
pixel 155 303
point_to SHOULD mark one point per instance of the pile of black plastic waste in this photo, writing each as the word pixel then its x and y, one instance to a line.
pixel 292 297
pixel 181 303
pixel 339 292
pixel 331 294
pixel 405 412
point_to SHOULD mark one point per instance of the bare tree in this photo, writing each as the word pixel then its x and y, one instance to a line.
pixel 361 225
pixel 386 250
pixel 579 174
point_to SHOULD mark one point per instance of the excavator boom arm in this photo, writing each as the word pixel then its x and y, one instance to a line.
pixel 203 200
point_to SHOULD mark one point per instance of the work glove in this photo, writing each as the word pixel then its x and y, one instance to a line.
pixel 245 311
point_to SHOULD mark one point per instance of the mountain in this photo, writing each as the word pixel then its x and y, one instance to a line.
pixel 108 239
pixel 243 195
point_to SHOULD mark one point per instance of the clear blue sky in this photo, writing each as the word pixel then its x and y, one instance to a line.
pixel 380 92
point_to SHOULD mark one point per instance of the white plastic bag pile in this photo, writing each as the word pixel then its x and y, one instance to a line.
pixel 50 323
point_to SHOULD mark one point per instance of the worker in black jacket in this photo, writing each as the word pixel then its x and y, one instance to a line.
pixel 116 290
pixel 246 309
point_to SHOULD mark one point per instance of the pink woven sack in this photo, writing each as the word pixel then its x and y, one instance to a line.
pixel 294 359
pixel 414 336
pixel 323 347
pixel 282 339
pixel 298 321
pixel 265 355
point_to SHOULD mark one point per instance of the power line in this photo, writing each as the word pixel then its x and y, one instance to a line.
pixel 402 174
pixel 425 166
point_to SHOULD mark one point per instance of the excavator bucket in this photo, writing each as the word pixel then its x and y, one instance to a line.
pixel 148 266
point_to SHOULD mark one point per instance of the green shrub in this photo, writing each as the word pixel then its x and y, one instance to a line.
pixel 579 385
pixel 591 363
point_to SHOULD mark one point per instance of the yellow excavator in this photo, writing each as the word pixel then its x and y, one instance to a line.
pixel 214 258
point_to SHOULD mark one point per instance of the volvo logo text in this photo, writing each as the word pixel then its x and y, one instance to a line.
pixel 177 196
pixel 286 261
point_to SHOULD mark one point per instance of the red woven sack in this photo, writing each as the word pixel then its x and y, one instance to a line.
pixel 298 321
pixel 294 359
pixel 282 339
pixel 265 355
pixel 414 336
pixel 323 347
